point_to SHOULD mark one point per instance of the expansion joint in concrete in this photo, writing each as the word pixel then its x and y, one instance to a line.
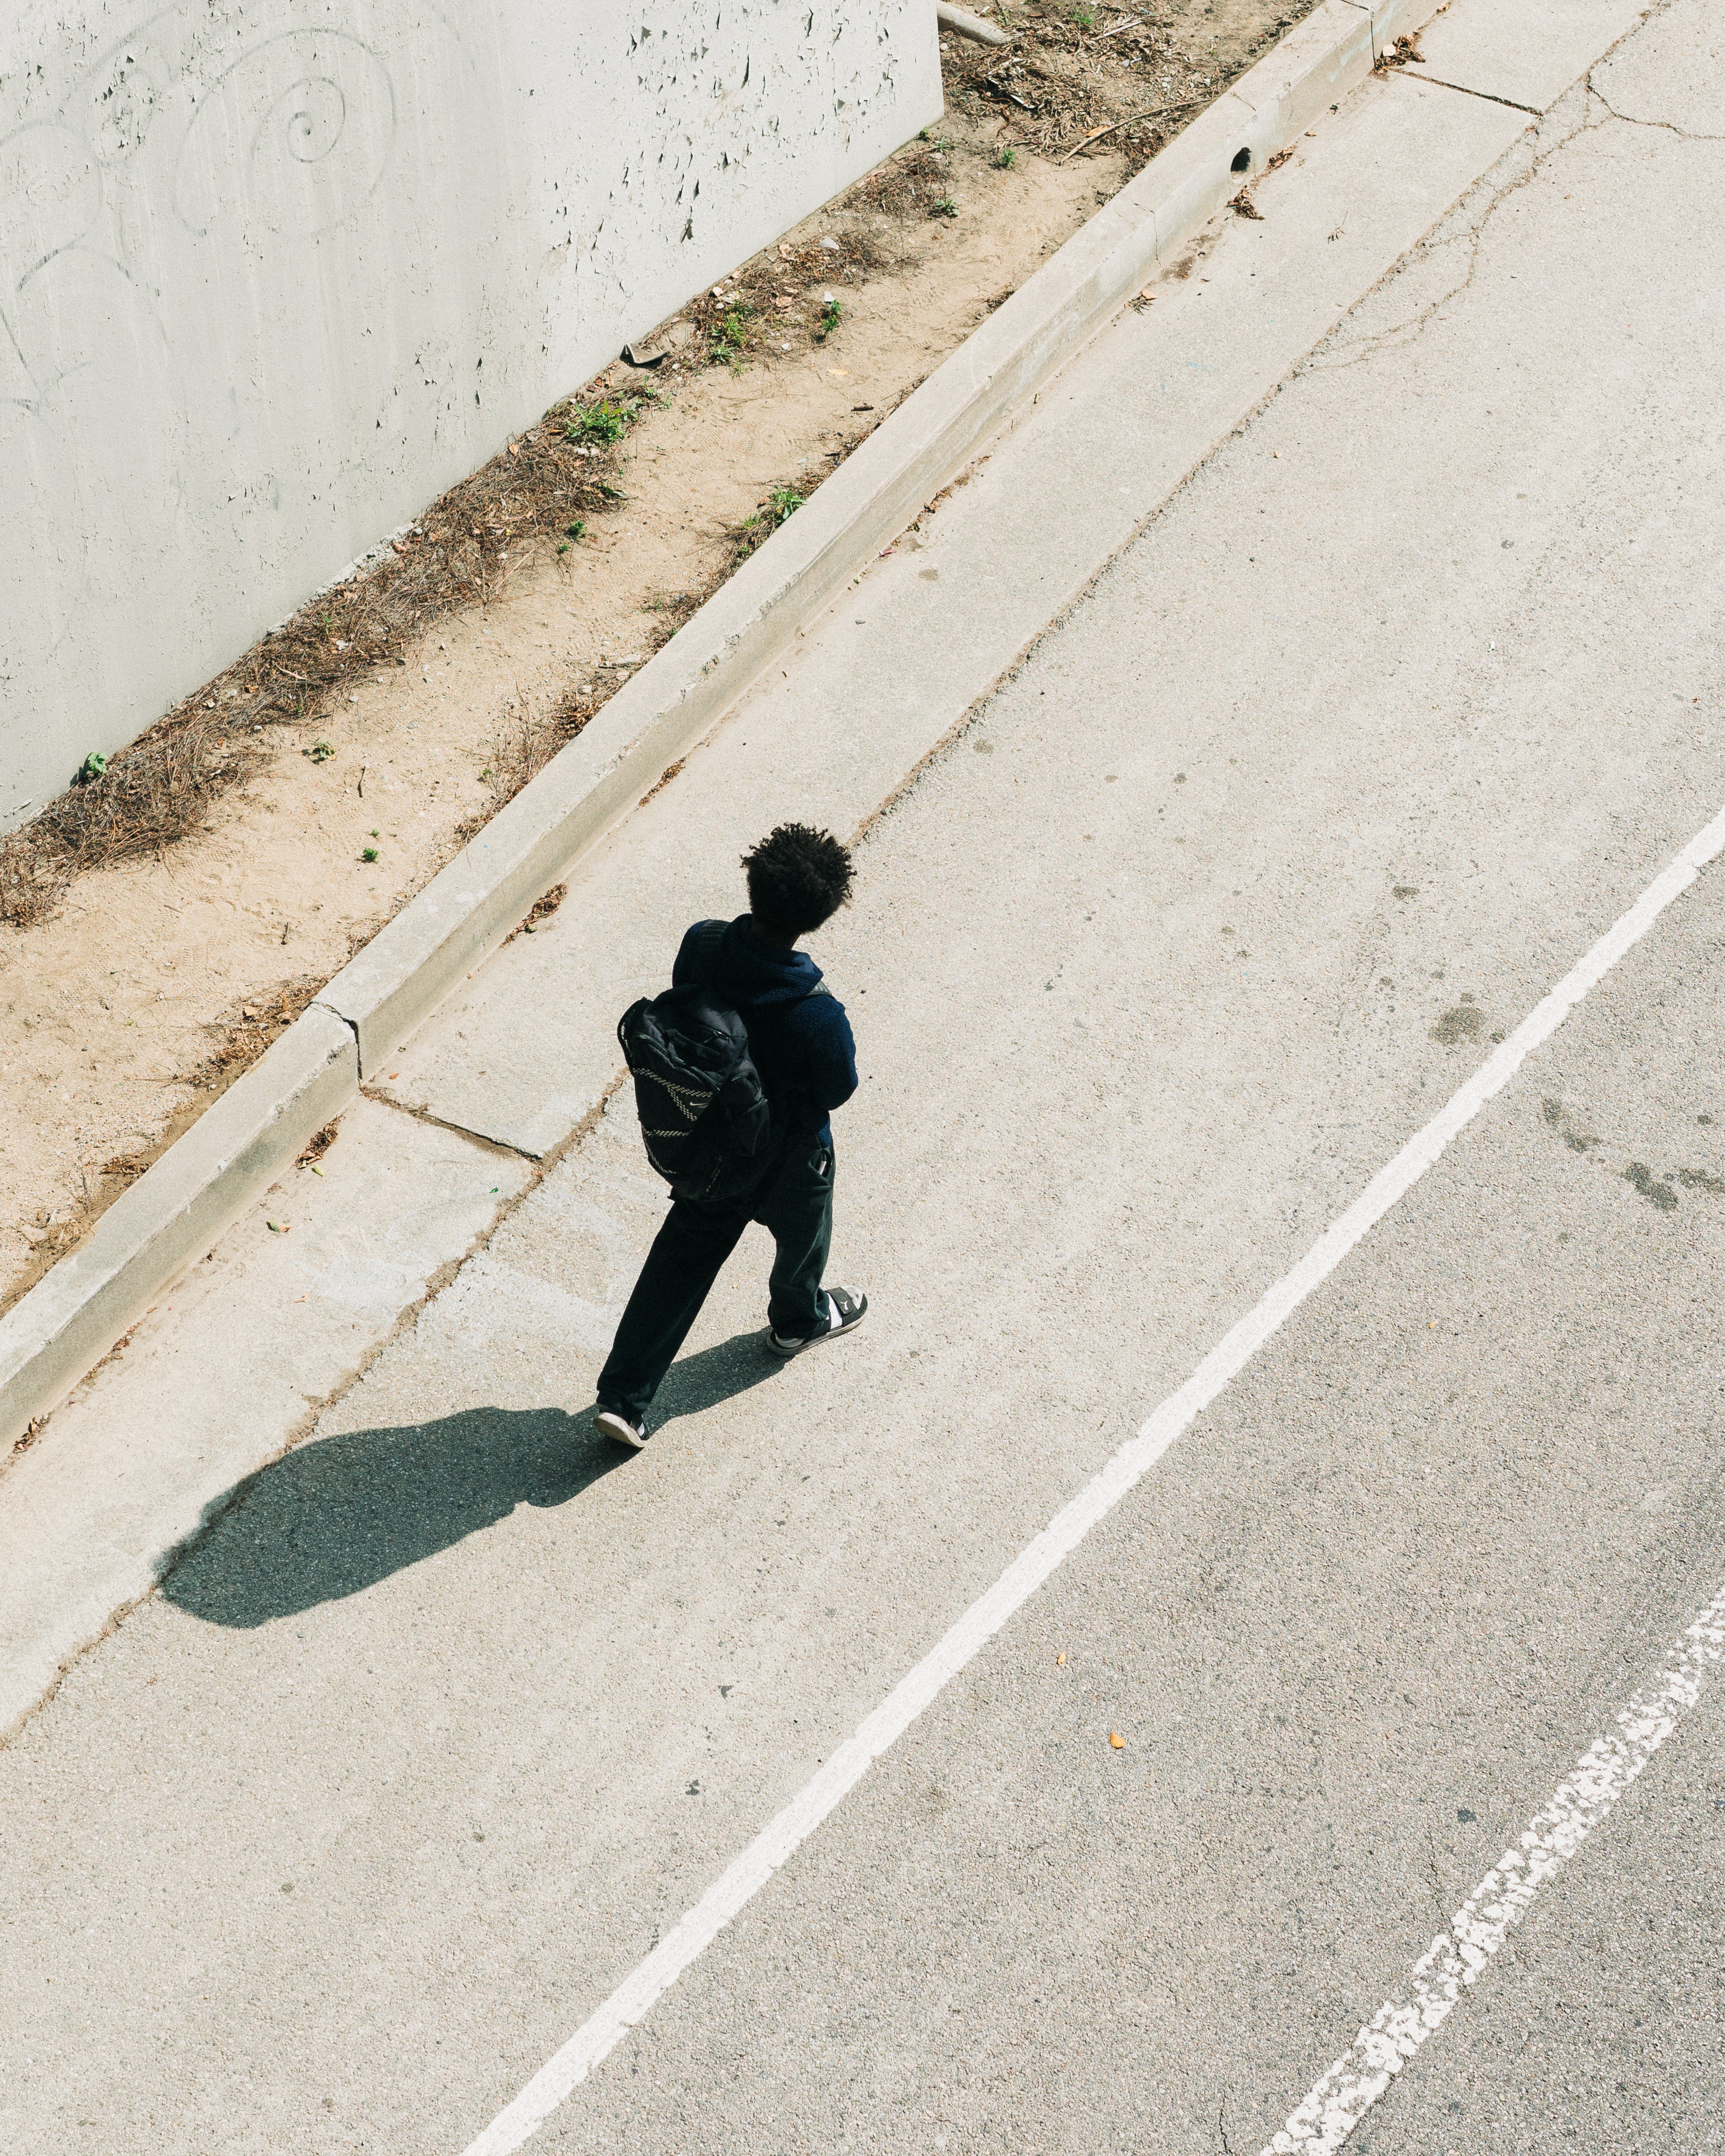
pixel 166 1560
pixel 1486 96
pixel 496 1147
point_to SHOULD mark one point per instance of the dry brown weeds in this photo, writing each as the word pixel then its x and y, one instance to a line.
pixel 532 740
pixel 560 474
pixel 547 486
pixel 151 794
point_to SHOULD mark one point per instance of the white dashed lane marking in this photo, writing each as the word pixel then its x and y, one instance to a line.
pixel 1414 2012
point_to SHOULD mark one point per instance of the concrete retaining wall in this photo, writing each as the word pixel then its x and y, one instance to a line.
pixel 274 273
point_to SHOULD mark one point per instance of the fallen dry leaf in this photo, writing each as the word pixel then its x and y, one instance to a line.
pixel 1116 1740
pixel 1060 1660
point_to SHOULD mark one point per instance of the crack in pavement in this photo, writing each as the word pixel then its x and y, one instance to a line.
pixel 1477 220
pixel 1631 120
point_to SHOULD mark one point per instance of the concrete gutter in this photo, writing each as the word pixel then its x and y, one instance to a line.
pixel 74 1315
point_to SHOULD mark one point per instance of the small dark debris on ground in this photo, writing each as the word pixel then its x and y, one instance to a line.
pixel 1404 53
pixel 241 1037
pixel 541 911
pixel 318 1145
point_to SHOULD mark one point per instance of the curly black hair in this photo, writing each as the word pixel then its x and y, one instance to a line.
pixel 798 877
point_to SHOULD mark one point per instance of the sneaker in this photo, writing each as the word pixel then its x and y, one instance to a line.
pixel 620 1428
pixel 845 1308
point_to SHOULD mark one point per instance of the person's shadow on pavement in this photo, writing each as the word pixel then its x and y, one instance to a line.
pixel 333 1517
pixel 713 1374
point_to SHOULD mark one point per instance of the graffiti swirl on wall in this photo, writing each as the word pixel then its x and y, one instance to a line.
pixel 256 142
pixel 293 139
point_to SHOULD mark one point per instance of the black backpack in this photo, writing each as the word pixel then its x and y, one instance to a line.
pixel 705 1117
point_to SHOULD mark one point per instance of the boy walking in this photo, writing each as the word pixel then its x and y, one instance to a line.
pixel 800 1043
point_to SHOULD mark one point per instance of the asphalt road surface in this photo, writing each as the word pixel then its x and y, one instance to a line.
pixel 1348 759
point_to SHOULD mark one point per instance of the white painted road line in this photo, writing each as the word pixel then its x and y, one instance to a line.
pixel 635 1997
pixel 1417 2010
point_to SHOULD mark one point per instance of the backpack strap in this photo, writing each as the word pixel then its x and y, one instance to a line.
pixel 708 937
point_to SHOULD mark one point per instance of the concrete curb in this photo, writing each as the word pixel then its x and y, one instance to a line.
pixel 72 1317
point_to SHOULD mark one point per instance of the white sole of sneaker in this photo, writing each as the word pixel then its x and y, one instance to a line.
pixel 619 1429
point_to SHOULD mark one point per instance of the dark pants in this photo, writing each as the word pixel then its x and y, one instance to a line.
pixel 794 1202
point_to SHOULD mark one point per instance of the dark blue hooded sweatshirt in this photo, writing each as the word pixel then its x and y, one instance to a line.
pixel 802 1044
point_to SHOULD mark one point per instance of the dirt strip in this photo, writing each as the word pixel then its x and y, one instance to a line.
pixel 162 921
